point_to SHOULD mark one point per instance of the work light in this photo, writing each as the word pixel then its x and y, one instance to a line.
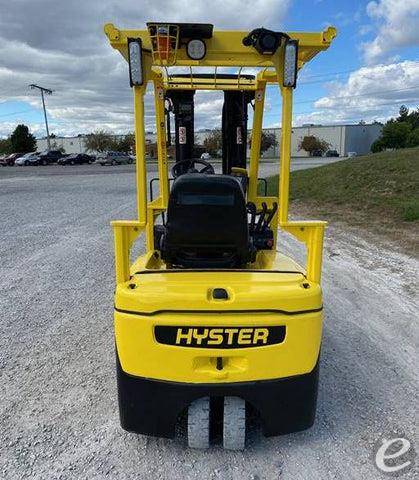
pixel 135 62
pixel 290 63
pixel 266 42
pixel 196 49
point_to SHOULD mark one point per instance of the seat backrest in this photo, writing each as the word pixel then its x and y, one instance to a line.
pixel 206 223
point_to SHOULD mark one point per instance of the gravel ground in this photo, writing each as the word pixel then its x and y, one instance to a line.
pixel 59 414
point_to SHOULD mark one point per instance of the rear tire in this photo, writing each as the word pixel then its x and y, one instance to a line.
pixel 27 163
pixel 199 423
pixel 234 423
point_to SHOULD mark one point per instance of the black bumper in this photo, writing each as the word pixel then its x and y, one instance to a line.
pixel 151 407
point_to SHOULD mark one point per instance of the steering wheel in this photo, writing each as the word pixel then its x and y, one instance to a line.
pixel 189 165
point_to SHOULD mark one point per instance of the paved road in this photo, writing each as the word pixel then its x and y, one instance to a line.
pixel 59 416
pixel 266 168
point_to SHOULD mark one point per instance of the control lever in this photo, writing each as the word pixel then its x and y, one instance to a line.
pixel 271 214
pixel 251 207
pixel 261 217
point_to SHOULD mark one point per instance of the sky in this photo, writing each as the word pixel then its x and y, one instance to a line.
pixel 370 70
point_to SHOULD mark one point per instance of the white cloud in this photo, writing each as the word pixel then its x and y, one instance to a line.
pixel 397 22
pixel 61 45
pixel 370 93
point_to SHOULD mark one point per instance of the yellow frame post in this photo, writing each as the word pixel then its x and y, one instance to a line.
pixel 140 151
pixel 256 139
pixel 161 141
pixel 285 159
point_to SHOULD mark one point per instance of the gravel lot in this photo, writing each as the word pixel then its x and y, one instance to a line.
pixel 59 414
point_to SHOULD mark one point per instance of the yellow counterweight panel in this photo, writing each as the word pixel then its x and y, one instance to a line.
pixel 142 356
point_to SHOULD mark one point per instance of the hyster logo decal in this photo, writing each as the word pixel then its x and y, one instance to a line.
pixel 220 337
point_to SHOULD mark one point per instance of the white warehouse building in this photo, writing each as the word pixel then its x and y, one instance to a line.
pixel 342 138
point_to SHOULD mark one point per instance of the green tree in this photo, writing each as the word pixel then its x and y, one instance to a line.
pixel 267 140
pixel 5 146
pixel 214 142
pixel 125 144
pixel 407 116
pixel 413 138
pixel 377 146
pixel 99 141
pixel 403 114
pixel 395 134
pixel 22 140
pixel 55 146
pixel 399 132
pixel 310 144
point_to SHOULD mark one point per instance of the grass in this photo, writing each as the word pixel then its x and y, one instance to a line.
pixel 382 183
pixel 378 193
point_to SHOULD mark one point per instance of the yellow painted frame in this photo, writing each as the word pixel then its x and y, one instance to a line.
pixel 224 49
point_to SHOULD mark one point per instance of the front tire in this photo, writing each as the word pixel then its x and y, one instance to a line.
pixel 199 423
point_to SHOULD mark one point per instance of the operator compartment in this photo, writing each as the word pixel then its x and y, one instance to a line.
pixel 207 223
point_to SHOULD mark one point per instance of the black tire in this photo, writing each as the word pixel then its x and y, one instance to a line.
pixel 71 162
pixel 27 163
pixel 199 423
pixel 114 162
pixel 44 163
pixel 234 423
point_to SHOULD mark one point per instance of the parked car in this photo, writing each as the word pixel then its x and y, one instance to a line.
pixel 352 154
pixel 331 153
pixel 49 156
pixel 113 158
pixel 31 158
pixel 9 160
pixel 75 159
pixel 317 153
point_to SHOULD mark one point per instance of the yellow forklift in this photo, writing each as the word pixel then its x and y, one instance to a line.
pixel 214 321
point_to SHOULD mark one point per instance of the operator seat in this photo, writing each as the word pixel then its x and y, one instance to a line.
pixel 207 224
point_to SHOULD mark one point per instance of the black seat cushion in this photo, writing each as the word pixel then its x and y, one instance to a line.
pixel 206 223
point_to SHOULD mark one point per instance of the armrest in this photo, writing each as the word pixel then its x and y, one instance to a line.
pixel 311 233
pixel 125 234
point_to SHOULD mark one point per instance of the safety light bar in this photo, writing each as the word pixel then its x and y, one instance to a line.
pixel 290 63
pixel 135 61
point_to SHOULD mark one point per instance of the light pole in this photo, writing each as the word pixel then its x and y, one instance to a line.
pixel 48 92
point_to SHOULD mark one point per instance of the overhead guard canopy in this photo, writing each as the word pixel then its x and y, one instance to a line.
pixel 225 48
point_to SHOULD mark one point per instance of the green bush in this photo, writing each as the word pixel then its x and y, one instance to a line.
pixel 411 211
pixel 413 139
pixel 400 132
pixel 395 134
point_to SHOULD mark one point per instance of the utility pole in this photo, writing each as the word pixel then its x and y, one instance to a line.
pixel 48 92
